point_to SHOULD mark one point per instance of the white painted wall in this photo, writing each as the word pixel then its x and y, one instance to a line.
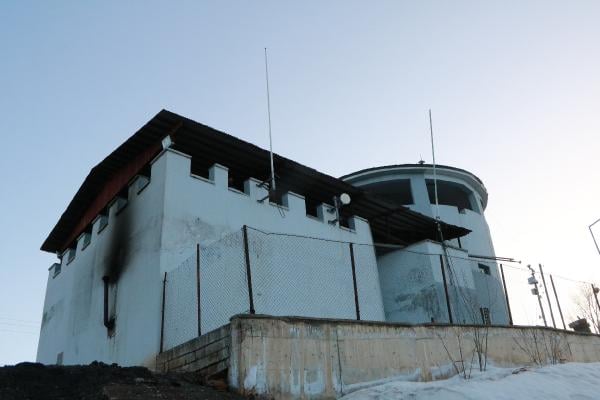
pixel 73 308
pixel 167 219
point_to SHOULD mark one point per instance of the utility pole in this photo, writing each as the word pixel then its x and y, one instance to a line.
pixel 547 296
pixel 558 303
pixel 595 290
pixel 533 281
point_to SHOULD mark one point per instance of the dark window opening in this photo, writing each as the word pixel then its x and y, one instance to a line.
pixel 276 197
pixel 146 171
pixel 199 169
pixel 87 237
pixel 71 253
pixel 485 315
pixel 450 194
pixel 236 182
pixel 122 199
pixel 311 208
pixel 484 269
pixel 143 179
pixel 397 192
pixel 102 220
pixel 345 222
pixel 55 270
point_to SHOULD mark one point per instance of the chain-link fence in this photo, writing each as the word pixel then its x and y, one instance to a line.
pixel 205 290
pixel 251 271
pixel 180 304
pixel 539 298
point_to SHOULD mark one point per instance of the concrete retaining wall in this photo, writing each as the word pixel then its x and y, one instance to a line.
pixel 207 355
pixel 315 358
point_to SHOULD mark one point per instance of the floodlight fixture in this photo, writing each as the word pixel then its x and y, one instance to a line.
pixel 166 142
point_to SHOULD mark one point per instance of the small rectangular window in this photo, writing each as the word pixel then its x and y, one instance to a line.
pixel 121 203
pixel 484 269
pixel 140 183
pixel 55 270
pixel 86 240
pixel 485 315
pixel 71 254
pixel 102 222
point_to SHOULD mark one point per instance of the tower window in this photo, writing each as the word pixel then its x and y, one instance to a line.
pixel 450 194
pixel 484 269
pixel 397 192
pixel 485 315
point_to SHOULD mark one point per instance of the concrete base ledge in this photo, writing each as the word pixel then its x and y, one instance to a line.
pixel 298 357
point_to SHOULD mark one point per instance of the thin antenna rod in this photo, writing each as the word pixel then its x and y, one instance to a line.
pixel 272 186
pixel 437 206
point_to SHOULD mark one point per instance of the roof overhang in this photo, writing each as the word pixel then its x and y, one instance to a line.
pixel 208 146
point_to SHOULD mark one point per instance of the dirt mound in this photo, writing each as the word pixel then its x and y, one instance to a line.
pixel 99 381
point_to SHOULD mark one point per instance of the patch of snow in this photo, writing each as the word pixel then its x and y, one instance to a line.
pixel 566 381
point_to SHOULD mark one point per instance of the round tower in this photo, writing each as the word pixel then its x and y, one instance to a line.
pixel 462 197
pixel 413 288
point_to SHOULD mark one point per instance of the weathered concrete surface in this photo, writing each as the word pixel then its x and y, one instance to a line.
pixel 288 358
pixel 207 355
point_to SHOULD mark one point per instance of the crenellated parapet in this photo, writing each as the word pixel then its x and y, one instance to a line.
pixel 173 166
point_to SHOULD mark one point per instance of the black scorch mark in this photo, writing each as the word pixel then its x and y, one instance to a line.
pixel 118 247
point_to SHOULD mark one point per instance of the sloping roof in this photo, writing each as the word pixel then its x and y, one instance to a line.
pixel 207 146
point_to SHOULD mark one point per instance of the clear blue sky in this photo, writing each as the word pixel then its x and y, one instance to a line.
pixel 514 87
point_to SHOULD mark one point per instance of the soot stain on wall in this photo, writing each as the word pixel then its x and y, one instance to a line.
pixel 115 262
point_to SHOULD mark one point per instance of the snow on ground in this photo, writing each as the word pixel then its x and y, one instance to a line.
pixel 574 381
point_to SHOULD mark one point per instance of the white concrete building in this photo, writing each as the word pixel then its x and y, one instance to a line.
pixel 176 187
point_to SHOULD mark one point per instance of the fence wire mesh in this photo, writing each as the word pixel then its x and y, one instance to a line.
pixel 293 275
pixel 367 282
pixel 550 300
pixel 301 276
pixel 223 282
pixel 180 308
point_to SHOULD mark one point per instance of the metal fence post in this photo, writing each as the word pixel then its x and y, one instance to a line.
pixel 162 319
pixel 558 303
pixel 354 281
pixel 547 296
pixel 446 290
pixel 510 320
pixel 248 271
pixel 198 288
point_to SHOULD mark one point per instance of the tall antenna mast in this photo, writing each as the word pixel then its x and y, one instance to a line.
pixel 437 206
pixel 272 185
